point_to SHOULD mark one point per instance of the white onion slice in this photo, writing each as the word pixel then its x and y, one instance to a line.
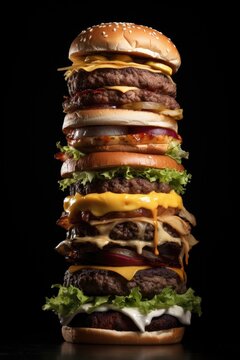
pixel 144 105
pixel 177 114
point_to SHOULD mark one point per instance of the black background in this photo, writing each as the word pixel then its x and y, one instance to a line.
pixel 37 43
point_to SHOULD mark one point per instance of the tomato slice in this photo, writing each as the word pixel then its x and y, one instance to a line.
pixel 152 130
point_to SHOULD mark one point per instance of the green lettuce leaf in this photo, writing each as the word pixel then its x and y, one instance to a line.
pixel 70 151
pixel 67 301
pixel 70 299
pixel 167 298
pixel 176 179
pixel 83 177
pixel 176 152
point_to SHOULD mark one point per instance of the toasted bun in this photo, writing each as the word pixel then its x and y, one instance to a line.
pixel 144 352
pixel 104 160
pixel 127 38
pixel 118 117
pixel 102 336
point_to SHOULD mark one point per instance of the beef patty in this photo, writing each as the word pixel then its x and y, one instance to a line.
pixel 124 230
pixel 113 320
pixel 120 186
pixel 103 282
pixel 112 98
pixel 139 78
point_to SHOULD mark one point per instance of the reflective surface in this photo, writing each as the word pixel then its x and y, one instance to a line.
pixel 114 352
pixel 122 352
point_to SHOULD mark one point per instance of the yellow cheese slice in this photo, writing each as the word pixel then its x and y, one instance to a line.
pixel 123 89
pixel 103 203
pixel 127 272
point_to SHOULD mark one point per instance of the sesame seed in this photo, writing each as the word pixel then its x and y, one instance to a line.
pixel 90 36
pixel 114 29
pixel 130 31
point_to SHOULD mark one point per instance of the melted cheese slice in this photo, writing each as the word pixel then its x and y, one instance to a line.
pixel 127 272
pixel 115 64
pixel 104 227
pixel 122 89
pixel 101 204
pixel 181 273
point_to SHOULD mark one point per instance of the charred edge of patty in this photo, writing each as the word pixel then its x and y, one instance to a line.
pixel 120 186
pixel 113 320
pixel 126 230
pixel 113 98
pixel 152 281
pixel 140 78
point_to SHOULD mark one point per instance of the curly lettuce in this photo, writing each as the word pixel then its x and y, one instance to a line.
pixel 70 151
pixel 176 152
pixel 176 179
pixel 69 300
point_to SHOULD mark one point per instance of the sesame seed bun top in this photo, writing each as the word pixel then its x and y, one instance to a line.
pixel 127 38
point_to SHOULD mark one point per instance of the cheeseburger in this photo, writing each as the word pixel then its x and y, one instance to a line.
pixel 128 234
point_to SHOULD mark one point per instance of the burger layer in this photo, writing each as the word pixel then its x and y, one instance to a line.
pixel 120 185
pixel 103 97
pixel 123 117
pixel 142 79
pixel 110 160
pixel 113 255
pixel 123 230
pixel 111 337
pixel 118 171
pixel 145 140
pixel 114 320
pixel 81 217
pixel 151 281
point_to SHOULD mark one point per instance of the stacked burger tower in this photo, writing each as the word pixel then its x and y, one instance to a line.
pixel 128 234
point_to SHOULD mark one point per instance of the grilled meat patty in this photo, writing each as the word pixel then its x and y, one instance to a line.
pixel 142 79
pixel 102 97
pixel 113 320
pixel 103 282
pixel 120 186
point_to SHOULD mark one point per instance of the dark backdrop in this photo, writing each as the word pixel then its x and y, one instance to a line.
pixel 37 43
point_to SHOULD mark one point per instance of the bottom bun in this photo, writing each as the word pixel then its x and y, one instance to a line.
pixel 102 336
